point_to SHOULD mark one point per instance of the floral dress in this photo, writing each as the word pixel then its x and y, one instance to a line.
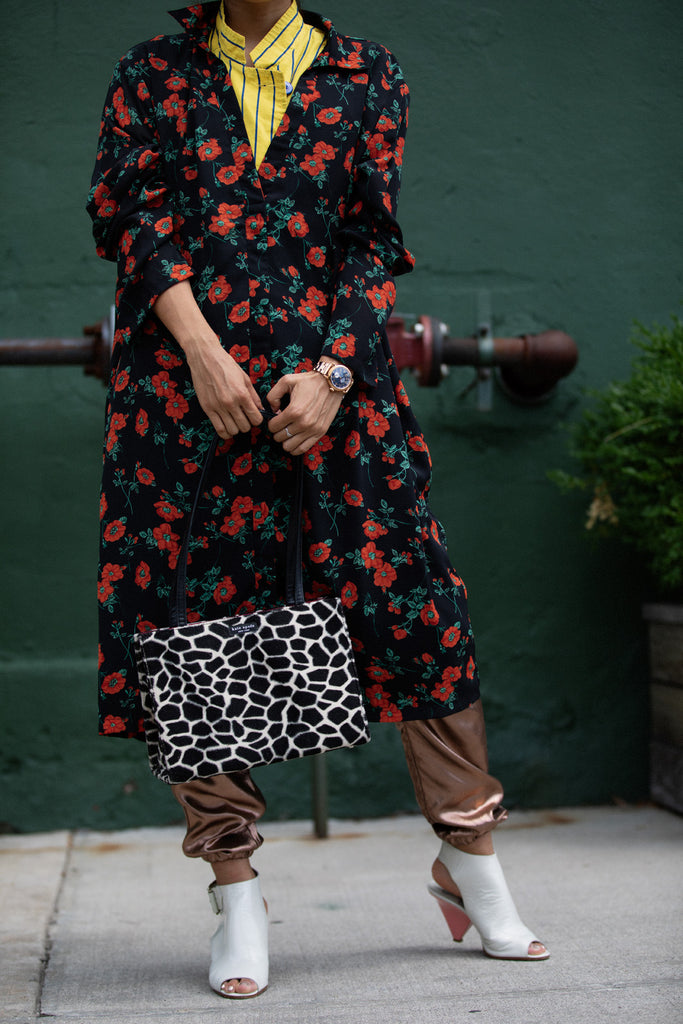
pixel 289 262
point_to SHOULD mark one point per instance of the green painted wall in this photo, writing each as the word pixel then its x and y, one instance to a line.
pixel 542 179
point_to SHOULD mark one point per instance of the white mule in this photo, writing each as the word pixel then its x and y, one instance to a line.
pixel 239 947
pixel 486 903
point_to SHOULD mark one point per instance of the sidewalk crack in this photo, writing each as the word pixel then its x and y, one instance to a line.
pixel 49 929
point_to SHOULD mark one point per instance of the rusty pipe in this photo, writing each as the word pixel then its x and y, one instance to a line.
pixel 530 365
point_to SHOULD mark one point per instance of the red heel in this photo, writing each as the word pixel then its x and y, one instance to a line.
pixel 453 911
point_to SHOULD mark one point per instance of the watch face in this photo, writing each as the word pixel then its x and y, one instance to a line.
pixel 340 377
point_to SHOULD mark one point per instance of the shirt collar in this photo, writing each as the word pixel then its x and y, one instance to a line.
pixel 339 51
pixel 284 36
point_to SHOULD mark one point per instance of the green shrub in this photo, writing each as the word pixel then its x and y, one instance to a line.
pixel 630 446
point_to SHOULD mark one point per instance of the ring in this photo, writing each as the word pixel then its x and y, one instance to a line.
pixel 287 432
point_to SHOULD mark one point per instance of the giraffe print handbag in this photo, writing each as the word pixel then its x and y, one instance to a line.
pixel 227 695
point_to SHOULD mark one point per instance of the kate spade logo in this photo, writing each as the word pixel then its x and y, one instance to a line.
pixel 239 628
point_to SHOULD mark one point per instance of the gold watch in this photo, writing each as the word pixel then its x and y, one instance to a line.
pixel 339 378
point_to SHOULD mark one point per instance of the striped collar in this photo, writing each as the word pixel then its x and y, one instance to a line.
pixel 339 51
pixel 283 47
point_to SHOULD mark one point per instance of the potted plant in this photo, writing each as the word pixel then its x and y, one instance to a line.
pixel 629 443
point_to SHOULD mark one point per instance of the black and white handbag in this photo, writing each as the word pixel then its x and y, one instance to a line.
pixel 231 694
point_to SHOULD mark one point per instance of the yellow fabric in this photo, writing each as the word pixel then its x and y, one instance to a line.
pixel 280 59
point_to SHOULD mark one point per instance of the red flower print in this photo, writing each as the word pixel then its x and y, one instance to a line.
pixel 167 511
pixel 372 529
pixel 122 113
pixel 393 483
pixel 390 713
pixel 228 175
pixel 103 506
pixel 349 594
pixel 319 552
pixel 297 225
pixel 232 524
pixel 379 674
pixel 385 124
pixel 316 256
pixel 145 476
pixel 344 346
pixel 104 591
pixel 451 674
pixel 254 225
pixel 329 115
pixel 223 223
pixel 141 422
pixel 381 297
pixel 143 91
pixel 242 153
pixel 324 151
pixel 113 723
pixel 176 407
pixel 164 226
pixel 114 682
pixel 451 636
pixel 163 386
pixel 377 425
pixel 180 271
pixel 399 633
pixel 313 165
pixel 114 531
pixel 158 64
pixel 238 314
pixel 166 539
pixel 174 106
pixel 258 367
pixel 112 571
pixel 384 576
pixel 353 497
pixel 267 171
pixel 225 591
pixel 352 444
pixel 313 458
pixel 371 555
pixel 429 614
pixel 148 158
pixel 175 82
pixel 260 513
pixel 209 150
pixel 219 290
pixel 309 307
pixel 469 672
pixel 242 464
pixel 376 695
pixel 143 576
pixel 417 444
pixel 442 691
pixel 121 380
pixel 242 505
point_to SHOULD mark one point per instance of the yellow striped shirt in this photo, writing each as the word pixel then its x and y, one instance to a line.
pixel 280 59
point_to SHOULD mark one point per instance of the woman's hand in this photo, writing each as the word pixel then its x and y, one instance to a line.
pixel 223 389
pixel 309 414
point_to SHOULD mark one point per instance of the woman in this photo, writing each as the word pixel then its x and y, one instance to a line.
pixel 246 184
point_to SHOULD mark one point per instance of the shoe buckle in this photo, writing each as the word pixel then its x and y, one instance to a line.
pixel 215 898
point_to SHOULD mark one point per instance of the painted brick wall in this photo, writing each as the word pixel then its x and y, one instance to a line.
pixel 542 183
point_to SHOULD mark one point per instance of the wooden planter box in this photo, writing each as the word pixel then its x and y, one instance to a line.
pixel 665 627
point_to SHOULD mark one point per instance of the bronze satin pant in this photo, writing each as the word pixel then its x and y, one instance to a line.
pixel 448 763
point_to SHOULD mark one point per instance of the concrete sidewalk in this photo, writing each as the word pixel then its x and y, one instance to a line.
pixel 114 927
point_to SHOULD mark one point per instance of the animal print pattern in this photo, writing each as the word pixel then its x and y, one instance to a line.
pixel 248 690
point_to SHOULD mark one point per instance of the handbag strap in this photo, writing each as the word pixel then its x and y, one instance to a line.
pixel 294 586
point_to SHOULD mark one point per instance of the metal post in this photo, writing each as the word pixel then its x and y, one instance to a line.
pixel 319 795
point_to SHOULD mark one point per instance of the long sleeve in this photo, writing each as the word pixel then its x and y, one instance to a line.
pixel 372 244
pixel 130 204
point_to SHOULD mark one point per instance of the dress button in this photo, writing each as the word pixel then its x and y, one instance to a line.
pixel 289 88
